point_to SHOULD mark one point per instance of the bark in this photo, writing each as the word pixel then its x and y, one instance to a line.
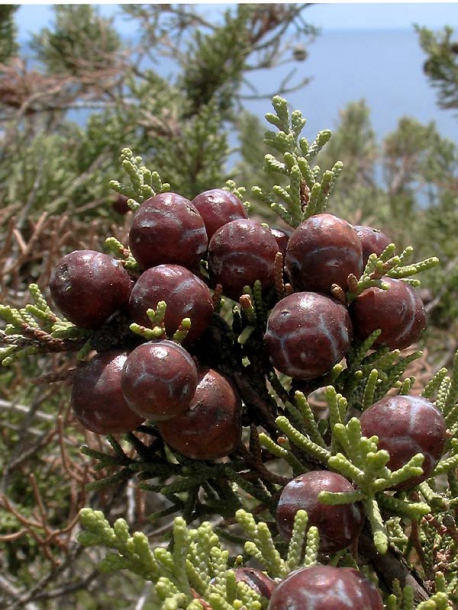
pixel 390 567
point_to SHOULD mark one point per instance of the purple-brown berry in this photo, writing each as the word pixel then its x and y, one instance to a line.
pixel 398 312
pixel 322 251
pixel 282 237
pixel 97 399
pixel 186 295
pixel 218 207
pixel 120 206
pixel 88 287
pixel 325 587
pixel 373 241
pixel 167 228
pixel 239 253
pixel 405 426
pixel 338 525
pixel 159 380
pixel 307 334
pixel 211 427
pixel 256 580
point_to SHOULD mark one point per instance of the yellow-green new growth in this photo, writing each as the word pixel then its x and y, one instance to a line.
pixel 123 253
pixel 302 548
pixel 321 454
pixel 35 328
pixel 193 574
pixel 143 182
pixel 390 265
pixel 305 194
pixel 132 552
pixel 157 330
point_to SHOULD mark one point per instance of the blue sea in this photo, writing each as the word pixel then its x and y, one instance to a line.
pixel 383 67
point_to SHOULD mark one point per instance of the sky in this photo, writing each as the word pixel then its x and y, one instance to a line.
pixel 327 16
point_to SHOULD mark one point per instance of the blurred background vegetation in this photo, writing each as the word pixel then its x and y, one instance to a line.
pixel 193 129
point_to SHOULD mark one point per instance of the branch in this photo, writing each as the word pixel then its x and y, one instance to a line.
pixel 391 567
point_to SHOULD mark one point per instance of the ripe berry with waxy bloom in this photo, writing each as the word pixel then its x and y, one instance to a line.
pixel 325 587
pixel 167 228
pixel 373 241
pixel 218 207
pixel 89 286
pixel 307 334
pixel 211 427
pixel 239 253
pixel 159 379
pixel 398 312
pixel 338 525
pixel 405 426
pixel 186 295
pixel 256 580
pixel 323 251
pixel 97 399
pixel 282 237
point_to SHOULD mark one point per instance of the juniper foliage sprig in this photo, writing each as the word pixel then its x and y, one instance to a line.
pixel 362 462
pixel 194 488
pixel 369 376
pixel 388 264
pixel 122 253
pixel 238 191
pixel 403 598
pixel 193 570
pixel 302 548
pixel 35 329
pixel 144 183
pixel 195 566
pixel 157 329
pixel 359 459
pixel 305 194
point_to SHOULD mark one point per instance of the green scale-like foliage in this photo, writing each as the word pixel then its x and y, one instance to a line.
pixel 196 569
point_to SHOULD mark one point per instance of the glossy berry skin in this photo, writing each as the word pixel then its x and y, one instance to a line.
pixel 218 207
pixel 338 526
pixel 89 286
pixel 307 334
pixel 256 580
pixel 324 587
pixel 167 228
pixel 186 295
pixel 398 312
pixel 282 238
pixel 373 241
pixel 211 427
pixel 322 251
pixel 405 426
pixel 239 253
pixel 159 380
pixel 97 399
